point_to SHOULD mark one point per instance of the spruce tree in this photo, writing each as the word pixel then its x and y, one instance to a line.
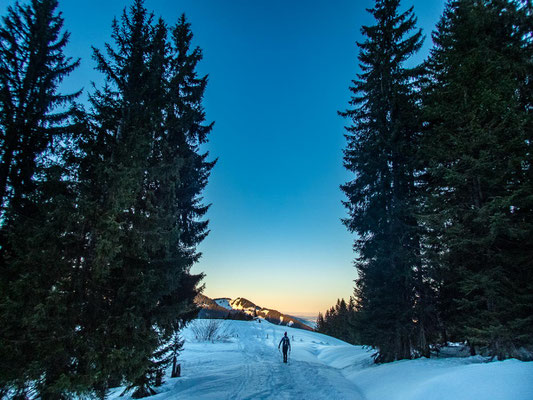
pixel 37 196
pixel 320 323
pixel 32 67
pixel 478 147
pixel 143 174
pixel 381 153
pixel 116 267
pixel 179 175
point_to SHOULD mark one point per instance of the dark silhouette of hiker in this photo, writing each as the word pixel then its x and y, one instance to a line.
pixel 286 346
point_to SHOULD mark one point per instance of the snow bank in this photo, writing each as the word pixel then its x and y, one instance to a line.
pixel 435 379
pixel 510 379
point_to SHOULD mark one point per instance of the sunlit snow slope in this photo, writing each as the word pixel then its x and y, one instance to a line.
pixel 247 365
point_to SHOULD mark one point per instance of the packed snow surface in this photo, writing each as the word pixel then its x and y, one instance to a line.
pixel 244 363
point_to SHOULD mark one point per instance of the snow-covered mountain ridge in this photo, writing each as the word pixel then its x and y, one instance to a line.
pixel 225 305
pixel 246 364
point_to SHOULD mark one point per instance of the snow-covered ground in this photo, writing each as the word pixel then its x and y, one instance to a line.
pixel 247 365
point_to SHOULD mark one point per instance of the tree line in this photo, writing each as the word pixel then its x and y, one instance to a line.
pixel 101 206
pixel 340 321
pixel 441 199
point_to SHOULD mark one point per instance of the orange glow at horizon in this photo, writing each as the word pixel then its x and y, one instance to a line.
pixel 300 294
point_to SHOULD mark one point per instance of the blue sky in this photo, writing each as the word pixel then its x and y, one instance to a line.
pixel 278 73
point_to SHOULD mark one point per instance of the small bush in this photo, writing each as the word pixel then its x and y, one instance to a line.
pixel 211 330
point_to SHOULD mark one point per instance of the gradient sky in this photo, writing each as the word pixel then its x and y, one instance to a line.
pixel 278 73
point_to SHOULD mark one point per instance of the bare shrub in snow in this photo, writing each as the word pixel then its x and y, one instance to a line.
pixel 211 330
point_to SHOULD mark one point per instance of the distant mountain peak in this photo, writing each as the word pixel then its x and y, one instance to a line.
pixel 240 303
pixel 224 302
pixel 225 307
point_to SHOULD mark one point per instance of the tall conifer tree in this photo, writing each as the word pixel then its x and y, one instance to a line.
pixel 382 196
pixel 478 148
pixel 144 176
pixel 37 197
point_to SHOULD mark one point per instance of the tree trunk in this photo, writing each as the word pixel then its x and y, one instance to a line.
pixel 176 368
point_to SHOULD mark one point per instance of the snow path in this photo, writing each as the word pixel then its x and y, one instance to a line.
pixel 266 376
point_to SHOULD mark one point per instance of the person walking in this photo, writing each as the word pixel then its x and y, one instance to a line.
pixel 286 346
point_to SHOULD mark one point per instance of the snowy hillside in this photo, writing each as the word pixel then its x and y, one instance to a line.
pixel 224 302
pixel 307 319
pixel 246 364
pixel 240 303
